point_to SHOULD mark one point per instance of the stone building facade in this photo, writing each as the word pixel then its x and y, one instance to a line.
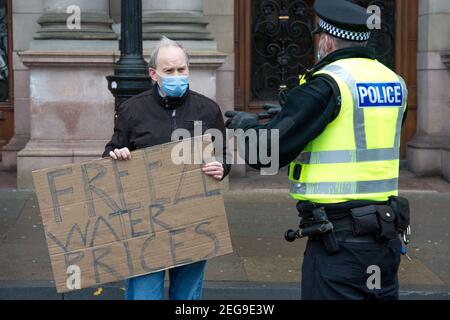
pixel 63 111
pixel 428 152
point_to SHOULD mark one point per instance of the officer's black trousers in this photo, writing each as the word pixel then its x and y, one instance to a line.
pixel 352 273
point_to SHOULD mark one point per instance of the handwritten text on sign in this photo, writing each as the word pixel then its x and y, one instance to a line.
pixel 116 219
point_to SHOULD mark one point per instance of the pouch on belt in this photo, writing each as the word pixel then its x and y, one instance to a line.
pixel 386 218
pixel 400 206
pixel 375 220
pixel 365 221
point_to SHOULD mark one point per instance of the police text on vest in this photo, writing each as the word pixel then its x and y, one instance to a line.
pixel 385 94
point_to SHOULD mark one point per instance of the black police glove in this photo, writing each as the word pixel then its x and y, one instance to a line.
pixel 240 119
pixel 271 111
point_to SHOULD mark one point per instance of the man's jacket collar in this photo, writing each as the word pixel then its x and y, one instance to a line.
pixel 169 102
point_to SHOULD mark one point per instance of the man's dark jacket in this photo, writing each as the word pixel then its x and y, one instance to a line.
pixel 148 119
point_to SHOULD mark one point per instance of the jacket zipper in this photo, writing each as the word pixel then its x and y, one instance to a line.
pixel 174 120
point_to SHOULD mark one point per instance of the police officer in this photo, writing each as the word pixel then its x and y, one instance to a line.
pixel 340 134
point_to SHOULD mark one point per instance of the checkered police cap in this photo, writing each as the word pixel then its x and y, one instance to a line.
pixel 344 34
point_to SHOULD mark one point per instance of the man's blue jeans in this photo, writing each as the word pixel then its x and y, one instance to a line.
pixel 186 283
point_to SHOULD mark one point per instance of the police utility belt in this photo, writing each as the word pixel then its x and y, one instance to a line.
pixel 381 221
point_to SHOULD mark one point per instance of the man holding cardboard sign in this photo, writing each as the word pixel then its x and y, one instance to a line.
pixel 108 220
pixel 150 119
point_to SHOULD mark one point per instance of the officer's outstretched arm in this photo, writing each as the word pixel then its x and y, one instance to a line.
pixel 308 110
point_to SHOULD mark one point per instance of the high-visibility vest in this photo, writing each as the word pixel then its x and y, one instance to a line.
pixel 356 157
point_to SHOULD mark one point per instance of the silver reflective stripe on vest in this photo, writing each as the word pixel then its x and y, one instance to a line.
pixel 355 187
pixel 343 156
pixel 358 113
pixel 362 153
pixel 401 112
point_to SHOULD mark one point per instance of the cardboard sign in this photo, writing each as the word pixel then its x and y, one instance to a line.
pixel 108 220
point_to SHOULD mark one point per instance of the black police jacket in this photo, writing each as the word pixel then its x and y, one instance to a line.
pixel 148 119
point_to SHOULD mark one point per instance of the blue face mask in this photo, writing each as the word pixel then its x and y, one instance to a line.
pixel 175 86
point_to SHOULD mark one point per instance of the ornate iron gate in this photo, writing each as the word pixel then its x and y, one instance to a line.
pixel 283 47
pixel 4 84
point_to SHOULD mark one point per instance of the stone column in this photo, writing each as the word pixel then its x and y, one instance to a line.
pixel 21 115
pixel 71 109
pixel 95 21
pixel 425 151
pixel 68 110
pixel 446 152
pixel 178 20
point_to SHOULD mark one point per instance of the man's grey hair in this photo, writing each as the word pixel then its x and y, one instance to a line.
pixel 165 42
pixel 341 43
